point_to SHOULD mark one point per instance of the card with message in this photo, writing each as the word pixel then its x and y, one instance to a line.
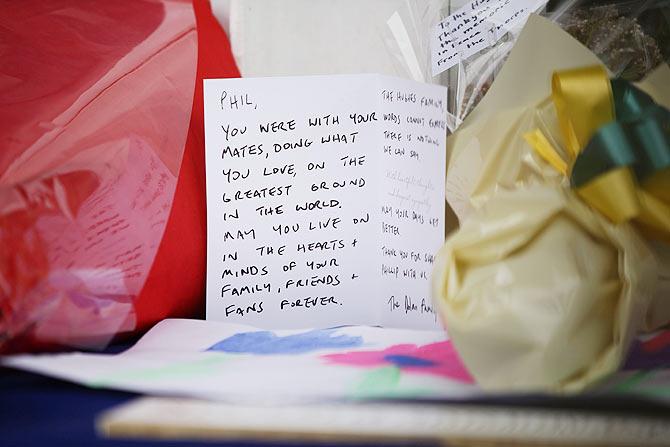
pixel 477 25
pixel 325 200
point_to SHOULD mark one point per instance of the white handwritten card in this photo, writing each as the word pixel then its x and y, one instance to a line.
pixel 474 27
pixel 325 200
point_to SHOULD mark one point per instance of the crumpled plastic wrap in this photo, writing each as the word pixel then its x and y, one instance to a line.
pixel 539 292
pixel 630 37
pixel 95 101
pixel 525 240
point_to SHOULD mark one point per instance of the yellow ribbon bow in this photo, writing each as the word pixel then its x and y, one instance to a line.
pixel 617 143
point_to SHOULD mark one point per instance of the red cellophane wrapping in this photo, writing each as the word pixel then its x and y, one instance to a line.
pixel 95 100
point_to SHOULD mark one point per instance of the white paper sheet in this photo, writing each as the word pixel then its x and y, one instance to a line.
pixel 476 26
pixel 325 200
pixel 222 361
pixel 236 363
pixel 317 37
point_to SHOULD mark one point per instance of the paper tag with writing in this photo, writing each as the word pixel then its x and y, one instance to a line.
pixel 325 200
pixel 474 27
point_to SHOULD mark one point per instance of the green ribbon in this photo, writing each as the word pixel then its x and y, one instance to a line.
pixel 639 138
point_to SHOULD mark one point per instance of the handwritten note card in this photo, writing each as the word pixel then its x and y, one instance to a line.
pixel 476 26
pixel 325 200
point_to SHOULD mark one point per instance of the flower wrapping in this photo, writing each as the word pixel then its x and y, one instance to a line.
pixel 537 289
pixel 95 104
pixel 540 292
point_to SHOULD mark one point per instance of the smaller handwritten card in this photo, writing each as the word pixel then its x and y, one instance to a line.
pixel 474 27
pixel 325 200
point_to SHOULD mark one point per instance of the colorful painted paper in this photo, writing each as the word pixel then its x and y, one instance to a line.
pixel 224 361
pixel 237 363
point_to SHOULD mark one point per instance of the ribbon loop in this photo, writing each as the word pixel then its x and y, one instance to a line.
pixel 619 142
pixel 610 148
pixel 583 100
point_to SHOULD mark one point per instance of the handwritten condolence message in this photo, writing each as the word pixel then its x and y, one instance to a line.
pixel 325 200
pixel 476 26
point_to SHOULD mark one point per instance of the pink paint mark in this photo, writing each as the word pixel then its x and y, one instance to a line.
pixel 652 353
pixel 658 343
pixel 438 359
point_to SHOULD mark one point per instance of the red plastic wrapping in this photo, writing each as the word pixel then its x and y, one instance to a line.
pixel 95 100
pixel 175 286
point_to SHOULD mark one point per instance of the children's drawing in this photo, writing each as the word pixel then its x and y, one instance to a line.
pixel 242 363
pixel 438 359
pixel 267 342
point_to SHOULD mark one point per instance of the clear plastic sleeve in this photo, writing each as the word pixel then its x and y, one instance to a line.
pixel 95 101
pixel 630 37
pixel 407 39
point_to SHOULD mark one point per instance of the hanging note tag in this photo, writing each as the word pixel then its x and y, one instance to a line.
pixel 325 200
pixel 474 27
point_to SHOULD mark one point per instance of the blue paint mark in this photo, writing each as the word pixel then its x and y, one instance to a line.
pixel 266 342
pixel 408 360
